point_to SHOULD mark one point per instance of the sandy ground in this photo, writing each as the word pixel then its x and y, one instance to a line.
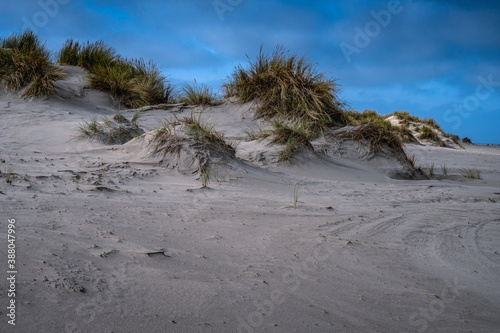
pixel 110 240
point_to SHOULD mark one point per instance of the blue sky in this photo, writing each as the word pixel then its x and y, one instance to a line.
pixel 432 58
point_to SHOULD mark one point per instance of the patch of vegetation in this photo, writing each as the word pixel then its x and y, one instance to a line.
pixel 253 135
pixel 197 94
pixel 412 159
pixel 426 133
pixel 406 118
pixel 472 173
pixel 432 123
pixel 70 53
pixel 9 174
pixel 372 117
pixel 444 168
pixel 454 138
pixel 355 118
pixel 405 134
pixel 134 83
pixel 431 170
pixel 97 54
pixel 296 195
pixel 377 135
pixel 205 176
pixel 380 135
pixel 466 140
pixel 415 168
pixel 89 55
pixel 205 134
pixel 25 62
pixel 289 87
pixel 292 135
pixel 117 130
pixel 166 139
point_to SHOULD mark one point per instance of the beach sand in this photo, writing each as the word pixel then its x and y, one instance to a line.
pixel 110 238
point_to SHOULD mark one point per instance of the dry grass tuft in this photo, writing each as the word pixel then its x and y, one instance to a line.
pixel 117 130
pixel 377 135
pixel 289 87
pixel 205 134
pixel 134 83
pixel 25 62
pixel 427 133
pixel 472 173
pixel 466 140
pixel 292 135
pixel 197 94
pixel 168 138
pixel 407 118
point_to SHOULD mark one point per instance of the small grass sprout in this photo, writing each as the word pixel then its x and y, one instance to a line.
pixel 296 189
pixel 472 173
pixel 444 168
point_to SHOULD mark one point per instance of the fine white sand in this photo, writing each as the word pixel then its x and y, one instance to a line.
pixel 113 239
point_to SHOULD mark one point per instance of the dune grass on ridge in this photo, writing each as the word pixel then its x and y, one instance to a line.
pixel 25 62
pixel 287 86
pixel 380 131
pixel 197 94
pixel 299 101
pixel 406 118
pixel 133 82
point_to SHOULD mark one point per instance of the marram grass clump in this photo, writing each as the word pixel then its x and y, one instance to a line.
pixel 197 94
pixel 355 118
pixel 289 87
pixel 25 62
pixel 377 135
pixel 133 82
pixel 292 135
pixel 406 118
pixel 88 55
pixel 115 130
pixel 205 134
pixel 472 173
pixel 427 133
pixel 169 137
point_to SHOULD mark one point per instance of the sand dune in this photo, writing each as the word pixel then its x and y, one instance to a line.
pixel 114 238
